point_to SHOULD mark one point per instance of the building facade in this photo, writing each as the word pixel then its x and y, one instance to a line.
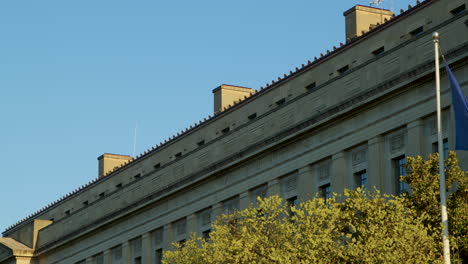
pixel 344 119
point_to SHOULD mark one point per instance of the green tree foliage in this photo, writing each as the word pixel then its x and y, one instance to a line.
pixel 364 228
pixel 423 177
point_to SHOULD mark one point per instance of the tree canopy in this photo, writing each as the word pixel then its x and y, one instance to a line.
pixel 423 177
pixel 365 228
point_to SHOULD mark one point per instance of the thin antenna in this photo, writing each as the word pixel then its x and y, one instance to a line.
pixel 135 138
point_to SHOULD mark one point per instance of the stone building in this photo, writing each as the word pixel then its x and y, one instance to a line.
pixel 344 119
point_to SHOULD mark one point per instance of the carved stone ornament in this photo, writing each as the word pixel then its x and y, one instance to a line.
pixel 290 183
pixel 158 236
pixel 206 218
pixel 397 142
pixel 324 171
pixel 359 157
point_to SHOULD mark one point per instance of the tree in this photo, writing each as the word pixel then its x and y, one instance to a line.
pixel 423 178
pixel 365 228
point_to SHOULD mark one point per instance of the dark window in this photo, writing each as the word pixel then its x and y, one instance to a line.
pixel 325 191
pixel 206 234
pixel 292 202
pixel 360 179
pixel 379 51
pixel 137 260
pixel 159 256
pixel 281 101
pixel 435 147
pixel 157 166
pixel 417 31
pixel 178 155
pixel 85 203
pixel 458 10
pixel 400 170
pixel 119 185
pixel 252 116
pixel 137 176
pixel 225 130
pixel 67 212
pixel 201 143
pixel 101 195
pixel 311 86
pixel 343 69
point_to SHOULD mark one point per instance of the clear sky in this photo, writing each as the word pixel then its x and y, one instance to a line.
pixel 76 77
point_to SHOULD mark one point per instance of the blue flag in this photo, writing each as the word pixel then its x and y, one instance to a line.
pixel 460 109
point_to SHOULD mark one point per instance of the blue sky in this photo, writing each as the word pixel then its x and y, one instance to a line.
pixel 76 76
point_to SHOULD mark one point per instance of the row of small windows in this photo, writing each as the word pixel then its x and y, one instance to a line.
pixel 379 51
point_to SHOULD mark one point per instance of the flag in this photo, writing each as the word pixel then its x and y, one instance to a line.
pixel 460 110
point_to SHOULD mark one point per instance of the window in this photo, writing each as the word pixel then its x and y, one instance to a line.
pixel 157 166
pixel 225 130
pixel 85 203
pixel 292 202
pixel 325 191
pixel 360 179
pixel 180 227
pixel 117 254
pixel 435 147
pixel 379 51
pixel 343 69
pixel 400 170
pixel 158 237
pixel 178 155
pixel 136 247
pixel 201 143
pixel 159 256
pixel 417 32
pixel 281 101
pixel 99 258
pixel 311 86
pixel 137 260
pixel 206 234
pixel 252 116
pixel 118 185
pixel 101 195
pixel 67 212
pixel 231 205
pixel 259 191
pixel 137 176
pixel 458 10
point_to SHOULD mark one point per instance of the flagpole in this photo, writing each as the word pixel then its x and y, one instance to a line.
pixel 443 192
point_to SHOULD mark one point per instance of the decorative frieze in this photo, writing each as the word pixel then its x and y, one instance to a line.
pixel 323 171
pixel 359 156
pixel 397 142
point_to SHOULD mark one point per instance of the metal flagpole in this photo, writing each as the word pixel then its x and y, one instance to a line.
pixel 443 193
